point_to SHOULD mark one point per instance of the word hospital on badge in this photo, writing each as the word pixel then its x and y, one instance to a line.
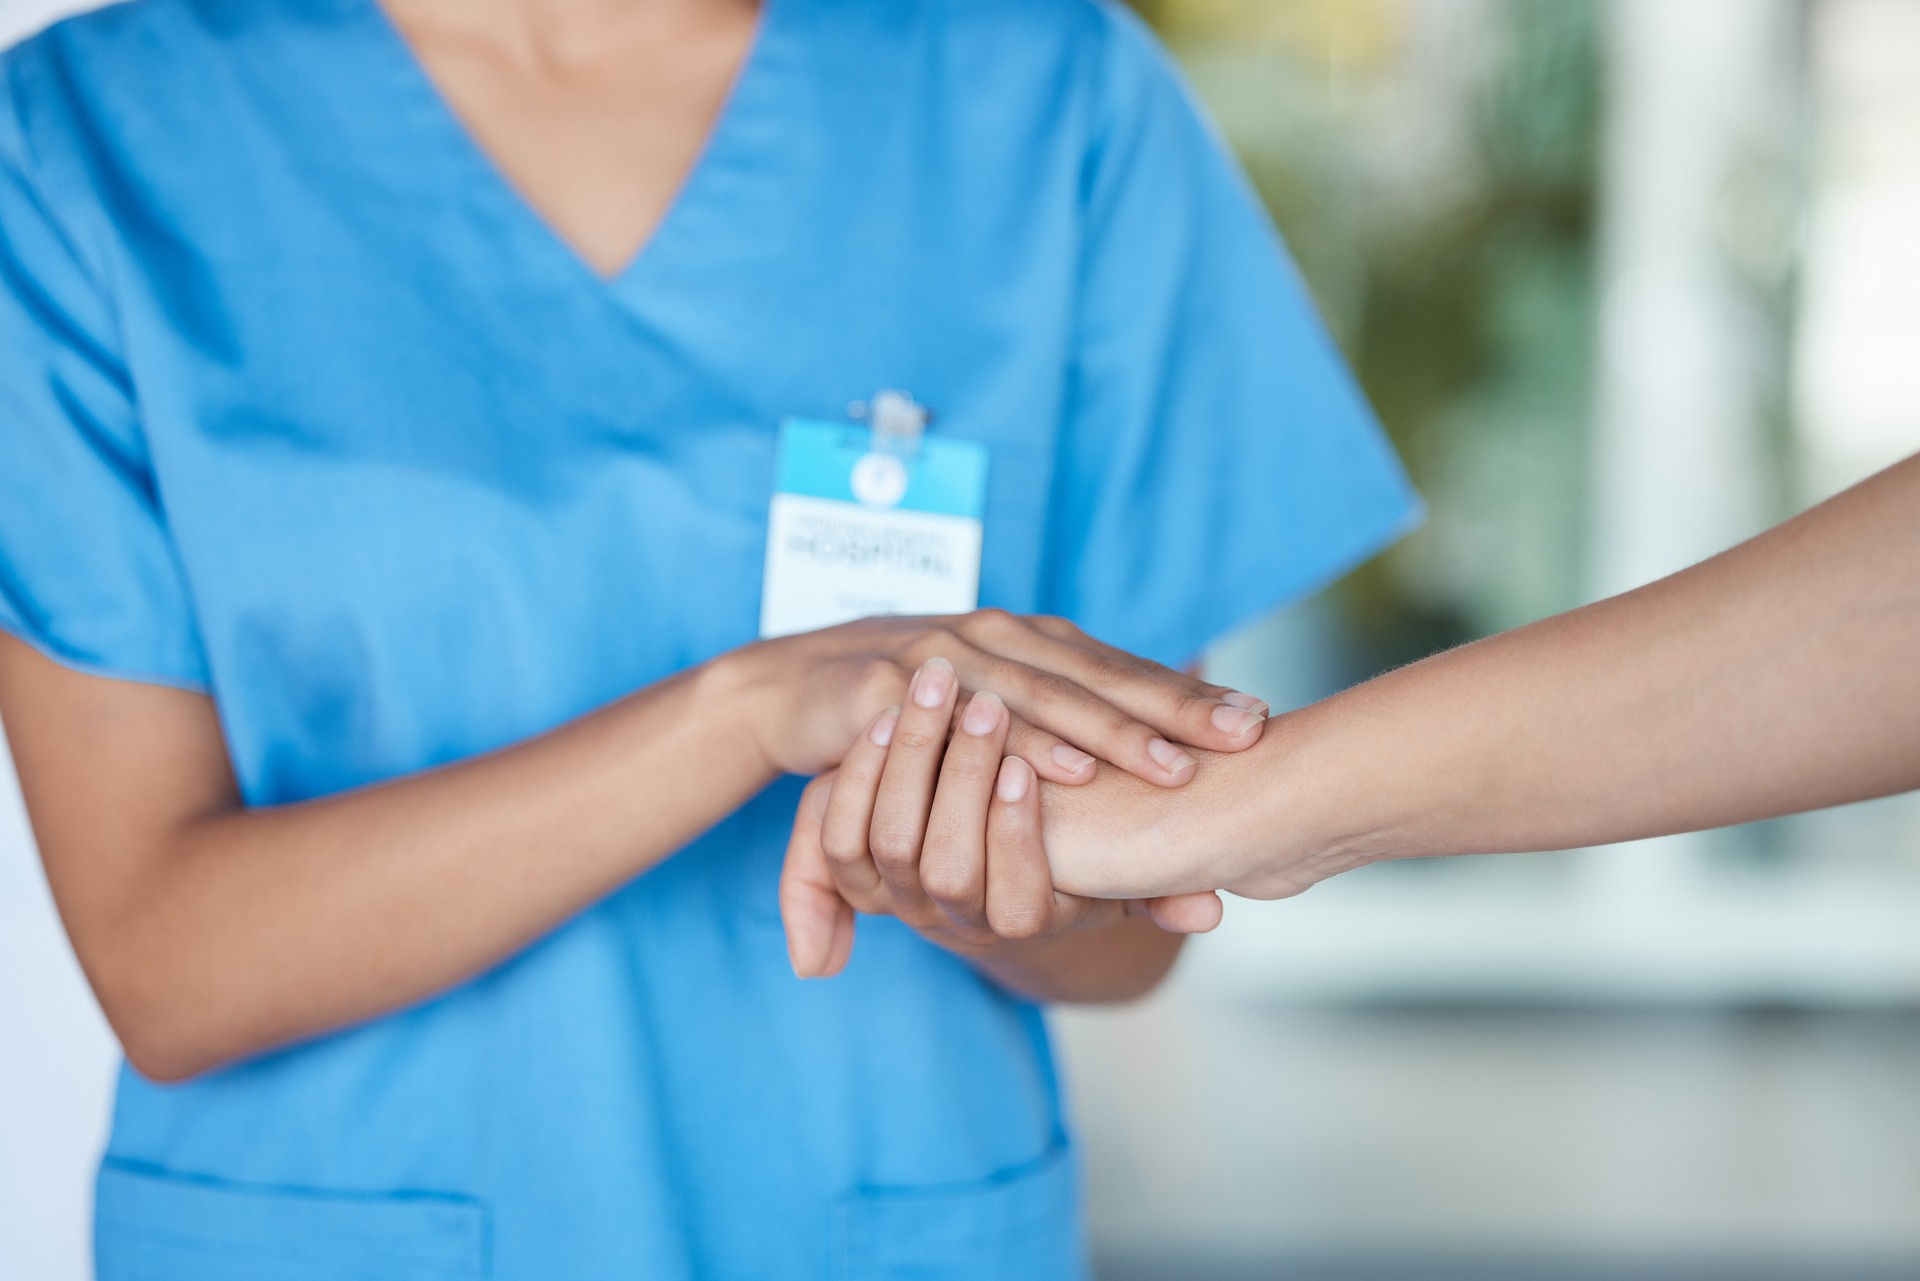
pixel 865 522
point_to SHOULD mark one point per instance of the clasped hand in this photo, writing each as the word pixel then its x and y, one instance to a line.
pixel 933 814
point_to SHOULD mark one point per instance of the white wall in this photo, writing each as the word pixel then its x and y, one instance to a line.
pixel 56 1056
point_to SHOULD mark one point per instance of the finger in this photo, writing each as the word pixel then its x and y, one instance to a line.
pixel 907 780
pixel 1052 757
pixel 1022 900
pixel 1175 914
pixel 1183 708
pixel 953 862
pixel 1019 884
pixel 1075 716
pixel 1085 719
pixel 818 921
pixel 1186 913
pixel 849 812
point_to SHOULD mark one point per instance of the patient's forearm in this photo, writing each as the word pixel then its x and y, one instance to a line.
pixel 1781 676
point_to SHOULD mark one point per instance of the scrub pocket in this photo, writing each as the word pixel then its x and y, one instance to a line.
pixel 153 1225
pixel 1020 1225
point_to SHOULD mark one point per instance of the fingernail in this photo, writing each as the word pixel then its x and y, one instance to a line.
pixel 882 731
pixel 1171 758
pixel 983 713
pixel 1246 702
pixel 1071 759
pixel 932 682
pixel 1016 776
pixel 1233 721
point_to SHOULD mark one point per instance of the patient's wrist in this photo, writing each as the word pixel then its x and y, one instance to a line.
pixel 1304 812
pixel 1250 810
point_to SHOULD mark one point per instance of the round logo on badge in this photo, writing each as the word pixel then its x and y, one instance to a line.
pixel 880 480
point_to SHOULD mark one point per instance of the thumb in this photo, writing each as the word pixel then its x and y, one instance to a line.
pixel 819 923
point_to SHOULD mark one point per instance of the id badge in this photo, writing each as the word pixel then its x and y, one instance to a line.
pixel 862 526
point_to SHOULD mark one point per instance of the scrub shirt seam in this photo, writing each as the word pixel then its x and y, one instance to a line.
pixel 45 644
pixel 203 1244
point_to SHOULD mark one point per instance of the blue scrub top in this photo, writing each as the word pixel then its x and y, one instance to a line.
pixel 301 405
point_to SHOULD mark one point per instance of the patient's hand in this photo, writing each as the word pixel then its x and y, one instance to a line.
pixel 1110 838
pixel 1250 823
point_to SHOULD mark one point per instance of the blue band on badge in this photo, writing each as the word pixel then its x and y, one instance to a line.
pixel 946 477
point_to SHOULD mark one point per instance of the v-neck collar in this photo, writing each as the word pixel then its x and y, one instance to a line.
pixel 476 164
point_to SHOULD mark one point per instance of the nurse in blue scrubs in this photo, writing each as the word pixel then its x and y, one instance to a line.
pixel 389 399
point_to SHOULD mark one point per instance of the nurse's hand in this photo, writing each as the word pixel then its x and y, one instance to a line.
pixel 944 834
pixel 1071 699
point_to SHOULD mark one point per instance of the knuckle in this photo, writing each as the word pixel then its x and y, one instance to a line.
pixel 1051 688
pixel 990 621
pixel 1024 739
pixel 840 851
pixel 1021 737
pixel 935 637
pixel 1110 671
pixel 919 645
pixel 862 768
pixel 1116 727
pixel 951 884
pixel 968 767
pixel 882 683
pixel 1195 704
pixel 894 848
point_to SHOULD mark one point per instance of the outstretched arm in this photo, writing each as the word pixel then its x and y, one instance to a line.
pixel 1780 676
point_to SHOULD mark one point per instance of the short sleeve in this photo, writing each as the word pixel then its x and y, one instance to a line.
pixel 88 573
pixel 1218 459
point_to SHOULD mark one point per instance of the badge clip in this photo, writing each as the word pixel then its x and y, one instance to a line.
pixel 896 420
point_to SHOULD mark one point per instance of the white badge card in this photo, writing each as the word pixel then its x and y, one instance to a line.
pixel 859 527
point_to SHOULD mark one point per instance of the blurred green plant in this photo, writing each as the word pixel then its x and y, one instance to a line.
pixel 1434 170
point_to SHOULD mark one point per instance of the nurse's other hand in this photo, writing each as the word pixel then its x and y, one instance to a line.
pixel 946 836
pixel 1071 698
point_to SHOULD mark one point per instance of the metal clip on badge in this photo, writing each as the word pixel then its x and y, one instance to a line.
pixel 896 422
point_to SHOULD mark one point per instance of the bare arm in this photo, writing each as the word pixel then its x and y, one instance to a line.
pixel 1781 676
pixel 211 930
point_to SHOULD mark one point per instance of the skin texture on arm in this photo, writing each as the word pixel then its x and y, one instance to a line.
pixel 211 930
pixel 1780 676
